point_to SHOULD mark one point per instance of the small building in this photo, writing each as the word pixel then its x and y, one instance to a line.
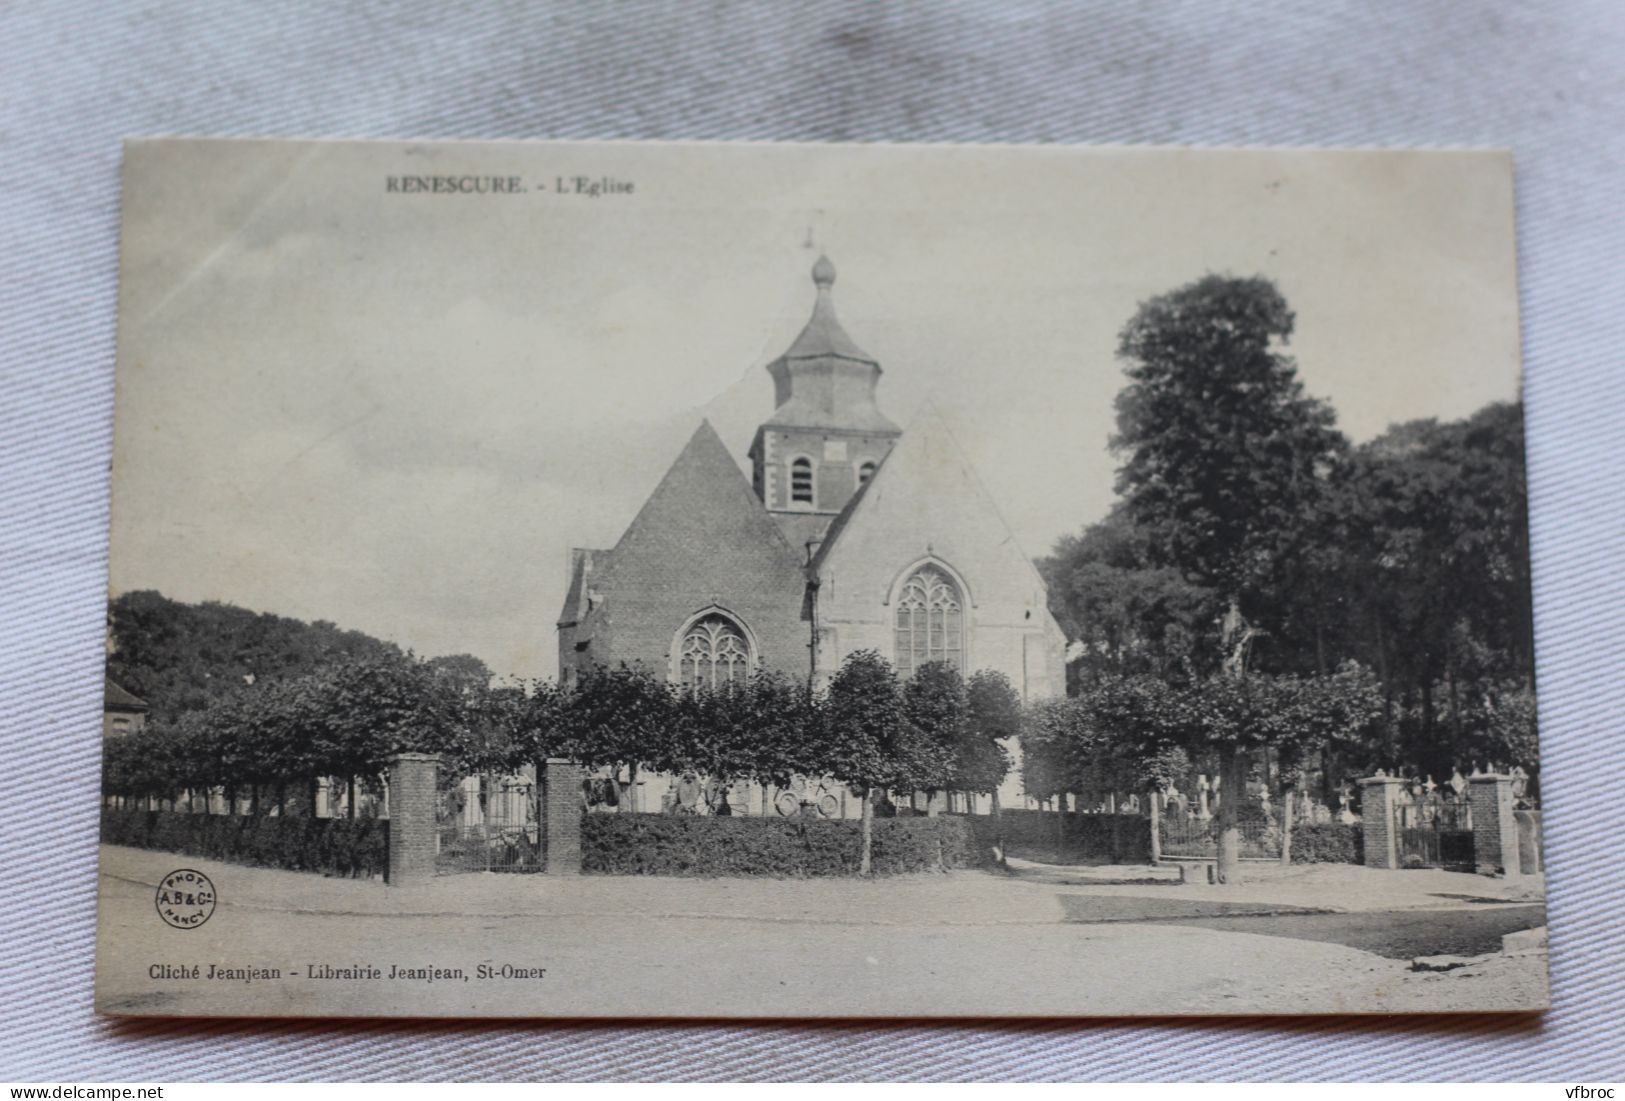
pixel 123 712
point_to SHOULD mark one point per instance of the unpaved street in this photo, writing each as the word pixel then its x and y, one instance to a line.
pixel 936 946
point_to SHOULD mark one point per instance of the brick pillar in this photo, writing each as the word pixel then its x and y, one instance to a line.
pixel 1495 829
pixel 412 834
pixel 561 816
pixel 1379 801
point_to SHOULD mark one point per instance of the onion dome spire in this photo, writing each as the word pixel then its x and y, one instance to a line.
pixel 823 335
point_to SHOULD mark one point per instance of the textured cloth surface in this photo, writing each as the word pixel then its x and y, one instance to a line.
pixel 76 77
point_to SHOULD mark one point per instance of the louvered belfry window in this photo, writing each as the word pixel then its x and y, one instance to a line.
pixel 801 481
pixel 714 654
pixel 930 622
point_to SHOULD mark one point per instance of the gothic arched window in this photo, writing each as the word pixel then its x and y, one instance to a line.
pixel 713 653
pixel 930 621
pixel 865 472
pixel 801 481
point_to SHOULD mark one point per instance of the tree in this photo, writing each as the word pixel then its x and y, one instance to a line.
pixel 980 761
pixel 1224 457
pixel 865 734
pixel 619 718
pixel 1435 535
pixel 361 712
pixel 1050 731
pixel 181 657
pixel 781 731
pixel 1223 451
pixel 937 707
pixel 1230 716
pixel 1319 713
pixel 1128 614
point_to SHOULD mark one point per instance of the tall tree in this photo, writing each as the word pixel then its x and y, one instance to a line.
pixel 1224 456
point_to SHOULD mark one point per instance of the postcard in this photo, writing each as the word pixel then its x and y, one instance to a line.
pixel 710 580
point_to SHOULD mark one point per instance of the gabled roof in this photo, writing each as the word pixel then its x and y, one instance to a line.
pixel 924 470
pixel 832 534
pixel 703 497
pixel 116 698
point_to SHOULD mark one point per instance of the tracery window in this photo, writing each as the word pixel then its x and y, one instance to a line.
pixel 714 653
pixel 930 621
pixel 801 481
pixel 865 472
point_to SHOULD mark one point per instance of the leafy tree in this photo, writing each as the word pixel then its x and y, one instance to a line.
pixel 1435 543
pixel 1318 713
pixel 181 657
pixel 980 761
pixel 1231 716
pixel 1224 456
pixel 711 733
pixel 1223 451
pixel 781 732
pixel 1051 730
pixel 619 718
pixel 865 734
pixel 1127 614
pixel 937 708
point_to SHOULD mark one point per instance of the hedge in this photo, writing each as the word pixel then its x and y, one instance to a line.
pixel 1057 838
pixel 705 845
pixel 1327 843
pixel 357 847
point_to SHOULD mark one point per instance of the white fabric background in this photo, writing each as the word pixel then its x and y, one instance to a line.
pixel 75 77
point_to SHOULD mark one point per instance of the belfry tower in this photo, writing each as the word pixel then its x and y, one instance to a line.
pixel 826 436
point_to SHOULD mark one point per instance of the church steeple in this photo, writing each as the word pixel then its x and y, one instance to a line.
pixel 826 435
pixel 824 380
pixel 823 335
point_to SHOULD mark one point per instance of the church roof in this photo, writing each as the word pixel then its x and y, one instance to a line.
pixel 832 534
pixel 926 476
pixel 823 335
pixel 116 698
pixel 703 506
pixel 825 381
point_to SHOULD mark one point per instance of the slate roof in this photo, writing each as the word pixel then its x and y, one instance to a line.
pixel 702 534
pixel 704 485
pixel 817 371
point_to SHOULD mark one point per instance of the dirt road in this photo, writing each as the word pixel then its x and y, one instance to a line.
pixel 991 947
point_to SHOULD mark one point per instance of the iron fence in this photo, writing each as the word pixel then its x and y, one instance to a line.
pixel 489 824
pixel 1197 837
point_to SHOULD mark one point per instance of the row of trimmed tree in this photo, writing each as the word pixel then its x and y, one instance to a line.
pixel 1141 733
pixel 936 732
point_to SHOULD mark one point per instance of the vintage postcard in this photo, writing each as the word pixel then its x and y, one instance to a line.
pixel 753 580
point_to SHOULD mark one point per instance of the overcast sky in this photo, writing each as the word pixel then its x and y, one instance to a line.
pixel 398 411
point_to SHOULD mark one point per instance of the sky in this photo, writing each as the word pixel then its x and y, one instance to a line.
pixel 398 411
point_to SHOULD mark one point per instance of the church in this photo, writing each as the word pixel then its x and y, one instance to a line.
pixel 852 533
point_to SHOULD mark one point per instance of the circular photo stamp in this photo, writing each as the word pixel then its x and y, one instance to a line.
pixel 185 898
